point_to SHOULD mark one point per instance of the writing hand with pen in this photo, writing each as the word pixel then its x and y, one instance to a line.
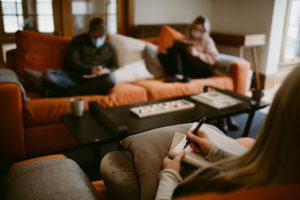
pixel 198 141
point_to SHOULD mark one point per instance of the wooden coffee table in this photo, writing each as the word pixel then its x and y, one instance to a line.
pixel 115 123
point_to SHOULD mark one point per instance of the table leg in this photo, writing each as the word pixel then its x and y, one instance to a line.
pixel 249 122
pixel 96 154
pixel 241 51
pixel 256 69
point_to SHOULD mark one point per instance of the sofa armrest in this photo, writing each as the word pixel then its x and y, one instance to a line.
pixel 12 143
pixel 118 173
pixel 239 71
pixel 236 67
pixel 11 59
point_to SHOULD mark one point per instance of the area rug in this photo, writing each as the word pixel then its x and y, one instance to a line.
pixel 241 119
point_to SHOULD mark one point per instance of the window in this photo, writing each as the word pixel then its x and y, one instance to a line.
pixel 38 16
pixel 291 45
pixel 44 12
pixel 84 11
pixel 12 15
pixel 112 16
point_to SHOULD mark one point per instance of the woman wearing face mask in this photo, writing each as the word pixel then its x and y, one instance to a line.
pixel 193 55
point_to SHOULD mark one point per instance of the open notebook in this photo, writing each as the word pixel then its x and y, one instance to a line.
pixel 195 159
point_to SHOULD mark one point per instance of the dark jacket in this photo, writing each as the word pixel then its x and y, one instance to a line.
pixel 82 55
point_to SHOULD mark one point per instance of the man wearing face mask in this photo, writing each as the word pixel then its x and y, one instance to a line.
pixel 87 67
pixel 191 56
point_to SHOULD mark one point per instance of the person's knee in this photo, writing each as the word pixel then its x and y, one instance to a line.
pixel 111 80
pixel 246 142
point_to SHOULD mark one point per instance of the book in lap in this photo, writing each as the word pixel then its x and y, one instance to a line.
pixel 195 159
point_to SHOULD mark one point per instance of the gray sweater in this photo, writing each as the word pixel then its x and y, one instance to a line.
pixel 169 179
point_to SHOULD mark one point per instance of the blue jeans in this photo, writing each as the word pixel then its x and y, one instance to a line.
pixel 63 83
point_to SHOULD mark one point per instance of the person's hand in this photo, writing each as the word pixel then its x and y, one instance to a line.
pixel 200 142
pixel 175 163
pixel 104 71
pixel 99 70
pixel 192 51
pixel 96 70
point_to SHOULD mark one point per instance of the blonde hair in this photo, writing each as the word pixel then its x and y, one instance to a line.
pixel 274 158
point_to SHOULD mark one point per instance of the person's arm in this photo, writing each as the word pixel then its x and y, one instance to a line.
pixel 72 60
pixel 113 64
pixel 169 179
pixel 216 154
pixel 209 54
pixel 202 144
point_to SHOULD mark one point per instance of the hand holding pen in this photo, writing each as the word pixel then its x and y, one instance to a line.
pixel 199 141
pixel 201 121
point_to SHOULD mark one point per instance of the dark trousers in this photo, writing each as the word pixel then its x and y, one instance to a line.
pixel 178 61
pixel 58 83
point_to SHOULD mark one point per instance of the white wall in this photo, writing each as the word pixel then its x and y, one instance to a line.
pixel 253 16
pixel 228 16
pixel 169 11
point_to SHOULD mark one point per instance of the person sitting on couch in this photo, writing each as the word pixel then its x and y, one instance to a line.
pixel 88 65
pixel 271 160
pixel 191 56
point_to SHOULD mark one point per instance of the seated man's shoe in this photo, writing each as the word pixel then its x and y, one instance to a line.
pixel 232 125
pixel 185 79
pixel 178 78
pixel 172 80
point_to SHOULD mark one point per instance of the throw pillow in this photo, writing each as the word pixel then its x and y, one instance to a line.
pixel 167 37
pixel 133 71
pixel 33 79
pixel 152 62
pixel 149 149
pixel 128 49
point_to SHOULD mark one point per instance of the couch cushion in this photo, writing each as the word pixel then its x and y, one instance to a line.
pixel 153 64
pixel 128 49
pixel 133 71
pixel 158 89
pixel 149 149
pixel 167 36
pixel 47 111
pixel 39 51
pixel 54 178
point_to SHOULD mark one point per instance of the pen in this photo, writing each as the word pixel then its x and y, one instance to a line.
pixel 201 121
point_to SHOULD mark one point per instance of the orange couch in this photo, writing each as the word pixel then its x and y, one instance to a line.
pixel 34 127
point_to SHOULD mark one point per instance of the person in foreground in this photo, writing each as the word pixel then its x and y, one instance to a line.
pixel 88 64
pixel 273 158
pixel 191 56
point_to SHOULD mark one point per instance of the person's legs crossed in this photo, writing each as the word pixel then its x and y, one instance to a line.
pixel 171 61
pixel 173 65
pixel 98 85
pixel 57 82
pixel 194 67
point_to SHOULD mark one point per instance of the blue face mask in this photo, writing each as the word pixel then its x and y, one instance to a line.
pixel 99 42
